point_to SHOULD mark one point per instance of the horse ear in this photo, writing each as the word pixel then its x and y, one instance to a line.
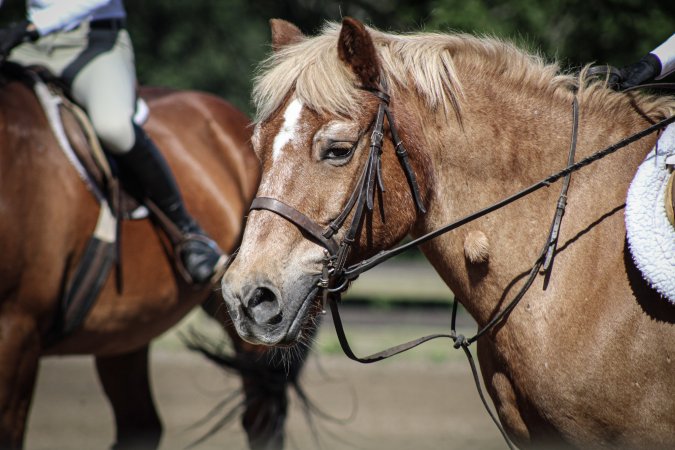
pixel 356 49
pixel 284 33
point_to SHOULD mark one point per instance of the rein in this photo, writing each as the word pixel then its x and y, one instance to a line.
pixel 335 277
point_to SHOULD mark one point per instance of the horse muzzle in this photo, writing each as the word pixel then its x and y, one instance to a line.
pixel 264 314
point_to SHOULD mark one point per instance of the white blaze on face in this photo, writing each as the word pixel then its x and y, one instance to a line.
pixel 288 129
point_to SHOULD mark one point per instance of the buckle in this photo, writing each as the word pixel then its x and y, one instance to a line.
pixel 376 137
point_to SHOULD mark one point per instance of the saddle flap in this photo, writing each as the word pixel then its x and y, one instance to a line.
pixel 76 136
pixel 80 144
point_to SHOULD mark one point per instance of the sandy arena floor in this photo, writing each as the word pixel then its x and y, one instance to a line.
pixel 426 400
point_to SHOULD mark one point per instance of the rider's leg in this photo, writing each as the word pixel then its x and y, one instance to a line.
pixel 105 86
pixel 199 254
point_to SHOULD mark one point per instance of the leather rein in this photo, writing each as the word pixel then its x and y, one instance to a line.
pixel 336 277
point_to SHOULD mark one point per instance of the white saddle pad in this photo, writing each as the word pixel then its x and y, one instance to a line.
pixel 651 237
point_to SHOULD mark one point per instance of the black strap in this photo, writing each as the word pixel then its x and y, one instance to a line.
pixel 459 341
pixel 108 24
pixel 562 200
pixel 379 356
pixel 83 289
pixel 336 224
pixel 293 215
pixel 669 86
pixel 402 154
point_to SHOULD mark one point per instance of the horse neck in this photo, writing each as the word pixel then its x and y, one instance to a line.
pixel 508 141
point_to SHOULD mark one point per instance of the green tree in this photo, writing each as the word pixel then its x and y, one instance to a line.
pixel 215 46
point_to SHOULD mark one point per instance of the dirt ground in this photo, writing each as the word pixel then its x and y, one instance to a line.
pixel 425 400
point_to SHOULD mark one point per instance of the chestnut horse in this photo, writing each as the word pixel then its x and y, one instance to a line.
pixel 586 358
pixel 48 216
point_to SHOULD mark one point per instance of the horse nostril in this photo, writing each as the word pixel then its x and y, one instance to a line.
pixel 275 320
pixel 263 307
pixel 259 296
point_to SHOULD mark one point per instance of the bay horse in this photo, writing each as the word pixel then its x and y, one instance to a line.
pixel 586 358
pixel 47 217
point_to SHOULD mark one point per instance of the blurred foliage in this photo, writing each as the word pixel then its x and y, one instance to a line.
pixel 215 45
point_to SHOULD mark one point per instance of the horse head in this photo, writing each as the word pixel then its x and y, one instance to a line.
pixel 333 186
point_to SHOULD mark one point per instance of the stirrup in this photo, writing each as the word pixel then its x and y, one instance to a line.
pixel 218 269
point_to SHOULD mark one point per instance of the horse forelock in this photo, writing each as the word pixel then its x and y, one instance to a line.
pixel 312 70
pixel 427 62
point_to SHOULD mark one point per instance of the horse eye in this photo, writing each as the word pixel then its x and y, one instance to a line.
pixel 339 150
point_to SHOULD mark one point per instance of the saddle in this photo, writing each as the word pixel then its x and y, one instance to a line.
pixel 117 199
pixel 650 223
pixel 650 203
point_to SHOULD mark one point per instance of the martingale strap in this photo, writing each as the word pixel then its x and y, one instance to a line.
pixel 562 200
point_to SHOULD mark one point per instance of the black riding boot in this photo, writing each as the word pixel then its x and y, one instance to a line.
pixel 198 253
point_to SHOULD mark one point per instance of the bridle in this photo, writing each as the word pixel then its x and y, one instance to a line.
pixel 361 199
pixel 336 276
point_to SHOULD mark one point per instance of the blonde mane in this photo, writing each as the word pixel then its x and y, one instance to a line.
pixel 426 62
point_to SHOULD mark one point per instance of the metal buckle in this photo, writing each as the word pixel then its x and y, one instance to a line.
pixel 376 137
